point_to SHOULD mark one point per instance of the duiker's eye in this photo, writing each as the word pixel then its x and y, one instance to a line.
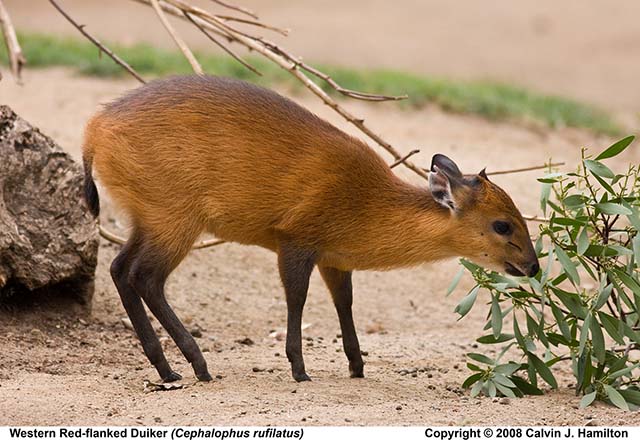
pixel 502 227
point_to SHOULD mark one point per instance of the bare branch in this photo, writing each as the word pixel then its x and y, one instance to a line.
pixel 259 46
pixel 237 8
pixel 16 58
pixel 221 45
pixel 176 38
pixel 528 168
pixel 535 218
pixel 403 159
pixel 96 42
pixel 259 24
pixel 113 238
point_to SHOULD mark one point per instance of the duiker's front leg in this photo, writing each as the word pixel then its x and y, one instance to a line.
pixel 295 265
pixel 339 284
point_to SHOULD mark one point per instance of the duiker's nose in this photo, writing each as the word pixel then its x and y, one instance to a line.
pixel 533 269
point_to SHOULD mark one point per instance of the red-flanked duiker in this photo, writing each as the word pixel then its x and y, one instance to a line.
pixel 193 154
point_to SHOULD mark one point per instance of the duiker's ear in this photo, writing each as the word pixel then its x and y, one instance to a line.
pixel 440 186
pixel 446 165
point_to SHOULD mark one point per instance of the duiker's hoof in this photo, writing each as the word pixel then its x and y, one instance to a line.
pixel 204 377
pixel 301 377
pixel 356 371
pixel 171 377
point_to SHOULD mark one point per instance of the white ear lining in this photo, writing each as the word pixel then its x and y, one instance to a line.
pixel 440 187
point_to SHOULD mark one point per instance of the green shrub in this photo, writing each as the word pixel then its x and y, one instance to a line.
pixel 583 304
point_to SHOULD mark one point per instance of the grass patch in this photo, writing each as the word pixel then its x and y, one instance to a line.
pixel 492 100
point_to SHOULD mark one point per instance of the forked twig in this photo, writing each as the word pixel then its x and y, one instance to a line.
pixel 177 39
pixel 222 46
pixel 97 42
pixel 397 162
pixel 16 58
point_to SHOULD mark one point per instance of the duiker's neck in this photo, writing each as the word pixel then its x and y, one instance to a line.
pixel 403 227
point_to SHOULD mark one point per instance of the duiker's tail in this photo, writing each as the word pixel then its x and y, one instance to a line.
pixel 90 190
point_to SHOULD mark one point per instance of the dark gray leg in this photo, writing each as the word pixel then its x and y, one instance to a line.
pixel 339 284
pixel 295 265
pixel 148 275
pixel 135 310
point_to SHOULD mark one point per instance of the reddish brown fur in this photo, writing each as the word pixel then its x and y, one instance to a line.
pixel 193 154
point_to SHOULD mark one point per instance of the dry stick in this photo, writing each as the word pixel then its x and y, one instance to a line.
pixel 16 58
pixel 281 31
pixel 397 162
pixel 348 92
pixel 176 38
pixel 108 235
pixel 222 46
pixel 96 42
pixel 237 8
pixel 529 168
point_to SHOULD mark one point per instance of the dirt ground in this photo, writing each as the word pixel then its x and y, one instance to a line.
pixel 60 366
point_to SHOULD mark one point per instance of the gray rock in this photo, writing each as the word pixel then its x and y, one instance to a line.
pixel 48 238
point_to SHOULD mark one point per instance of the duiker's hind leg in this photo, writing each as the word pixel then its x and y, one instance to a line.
pixel 149 272
pixel 295 265
pixel 135 309
pixel 339 284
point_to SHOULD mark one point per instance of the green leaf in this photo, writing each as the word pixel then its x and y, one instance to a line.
pixel 507 368
pixel 624 371
pixel 628 281
pixel 481 358
pixel 616 398
pixel 562 323
pixel 603 297
pixel 575 201
pixel 584 332
pixel 471 380
pixel 496 317
pixel 544 196
pixel 583 241
pixel 455 281
pixel 616 148
pixel 571 301
pixel 597 341
pixel 502 380
pixel 611 324
pixel 525 387
pixel 598 169
pixel 505 391
pixel 490 339
pixel 543 370
pixel 636 249
pixel 587 399
pixel 631 395
pixel 467 302
pixel 613 208
pixel 568 266
pixel 584 368
pixel 476 388
pixel 491 388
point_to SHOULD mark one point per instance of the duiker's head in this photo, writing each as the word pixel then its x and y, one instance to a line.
pixel 489 229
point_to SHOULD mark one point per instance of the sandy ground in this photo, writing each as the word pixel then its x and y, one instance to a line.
pixel 588 50
pixel 60 366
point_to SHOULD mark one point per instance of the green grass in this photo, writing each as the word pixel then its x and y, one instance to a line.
pixel 491 100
